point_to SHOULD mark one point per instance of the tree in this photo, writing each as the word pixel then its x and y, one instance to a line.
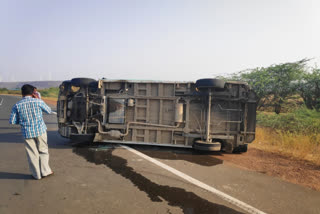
pixel 310 89
pixel 276 82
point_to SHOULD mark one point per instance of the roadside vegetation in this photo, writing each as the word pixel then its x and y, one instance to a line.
pixel 294 134
pixel 49 95
pixel 288 110
pixel 7 91
pixel 48 92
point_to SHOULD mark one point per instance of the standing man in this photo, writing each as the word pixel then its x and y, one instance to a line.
pixel 28 113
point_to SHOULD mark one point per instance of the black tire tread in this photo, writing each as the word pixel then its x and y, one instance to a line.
pixel 210 83
pixel 82 81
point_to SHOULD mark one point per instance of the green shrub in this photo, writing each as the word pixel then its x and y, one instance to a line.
pixel 7 91
pixel 302 120
pixel 3 90
pixel 50 92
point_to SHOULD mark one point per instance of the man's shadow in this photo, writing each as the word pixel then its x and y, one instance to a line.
pixel 16 176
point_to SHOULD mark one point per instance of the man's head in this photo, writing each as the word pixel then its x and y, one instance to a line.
pixel 27 90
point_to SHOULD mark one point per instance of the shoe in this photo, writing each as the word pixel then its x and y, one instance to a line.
pixel 48 175
pixel 35 178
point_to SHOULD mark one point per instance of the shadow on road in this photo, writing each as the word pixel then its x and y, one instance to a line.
pixel 189 202
pixel 54 139
pixel 16 176
pixel 14 137
pixel 190 155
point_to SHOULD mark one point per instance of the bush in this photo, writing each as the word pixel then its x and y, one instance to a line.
pixel 7 91
pixel 3 90
pixel 310 89
pixel 50 92
pixel 302 120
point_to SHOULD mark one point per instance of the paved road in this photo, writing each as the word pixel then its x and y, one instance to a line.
pixel 112 179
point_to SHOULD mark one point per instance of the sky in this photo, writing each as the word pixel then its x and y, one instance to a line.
pixel 176 40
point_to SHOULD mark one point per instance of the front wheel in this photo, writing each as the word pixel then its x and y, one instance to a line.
pixel 78 82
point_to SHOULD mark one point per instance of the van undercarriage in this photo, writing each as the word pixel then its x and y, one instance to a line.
pixel 210 114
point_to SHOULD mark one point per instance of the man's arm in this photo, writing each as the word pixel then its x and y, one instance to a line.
pixel 45 107
pixel 14 116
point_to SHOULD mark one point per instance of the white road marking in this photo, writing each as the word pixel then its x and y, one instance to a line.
pixel 1 101
pixel 198 183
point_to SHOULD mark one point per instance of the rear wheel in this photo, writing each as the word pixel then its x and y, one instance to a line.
pixel 210 83
pixel 205 146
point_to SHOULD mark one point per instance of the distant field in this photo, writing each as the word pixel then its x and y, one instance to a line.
pixel 38 84
pixel 49 95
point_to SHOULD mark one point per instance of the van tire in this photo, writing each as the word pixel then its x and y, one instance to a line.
pixel 78 82
pixel 210 83
pixel 66 85
pixel 203 146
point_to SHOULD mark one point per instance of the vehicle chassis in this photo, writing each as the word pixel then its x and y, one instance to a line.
pixel 209 114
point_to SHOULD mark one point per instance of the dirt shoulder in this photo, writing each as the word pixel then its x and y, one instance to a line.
pixel 50 101
pixel 293 170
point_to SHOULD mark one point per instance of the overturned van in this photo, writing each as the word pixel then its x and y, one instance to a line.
pixel 209 114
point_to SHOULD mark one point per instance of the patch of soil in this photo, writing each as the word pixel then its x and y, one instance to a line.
pixel 289 169
pixel 50 101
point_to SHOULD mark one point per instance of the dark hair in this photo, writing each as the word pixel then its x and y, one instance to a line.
pixel 27 90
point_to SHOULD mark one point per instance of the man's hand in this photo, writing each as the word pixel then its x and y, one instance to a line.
pixel 35 95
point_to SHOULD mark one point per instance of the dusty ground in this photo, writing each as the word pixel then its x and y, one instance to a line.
pixel 289 169
pixel 50 101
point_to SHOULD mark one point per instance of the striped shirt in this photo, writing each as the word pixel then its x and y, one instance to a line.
pixel 28 113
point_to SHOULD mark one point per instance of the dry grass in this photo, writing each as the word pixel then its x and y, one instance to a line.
pixel 305 147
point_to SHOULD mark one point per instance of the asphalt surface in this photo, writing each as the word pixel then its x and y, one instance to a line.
pixel 107 178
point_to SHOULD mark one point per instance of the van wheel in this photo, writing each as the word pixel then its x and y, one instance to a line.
pixel 210 83
pixel 78 82
pixel 204 146
pixel 65 85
